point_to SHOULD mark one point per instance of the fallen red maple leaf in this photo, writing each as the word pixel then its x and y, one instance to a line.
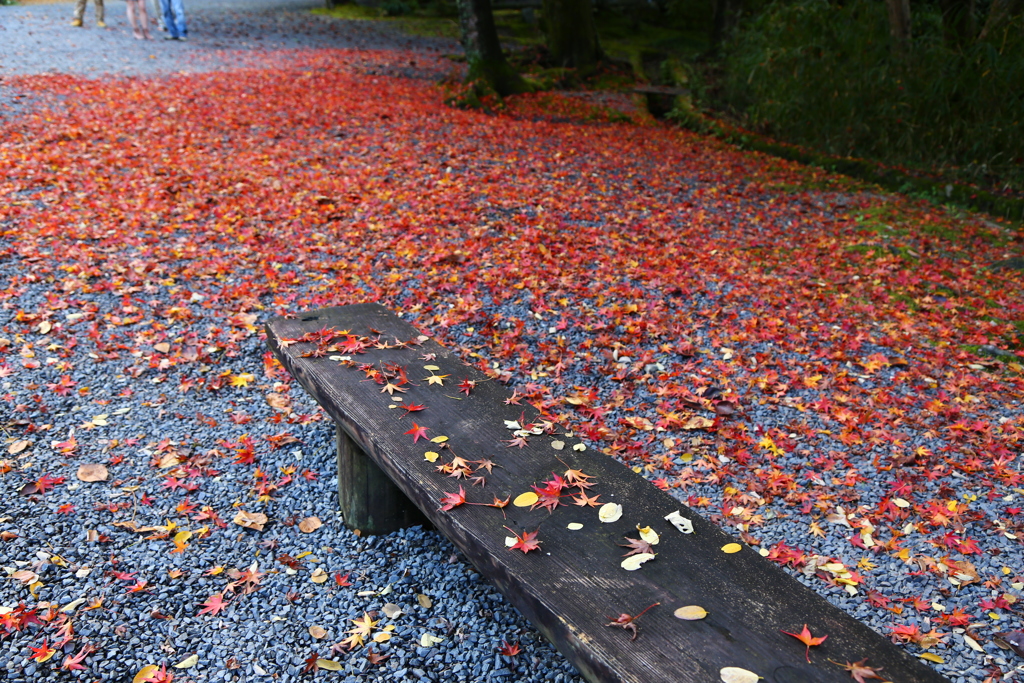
pixel 527 542
pixel 43 652
pixel 412 408
pixel 859 670
pixel 453 500
pixel 807 639
pixel 214 604
pixel 74 662
pixel 417 432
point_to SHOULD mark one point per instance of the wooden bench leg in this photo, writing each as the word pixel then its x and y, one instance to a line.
pixel 367 498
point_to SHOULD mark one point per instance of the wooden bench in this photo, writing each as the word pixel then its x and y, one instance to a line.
pixel 574 585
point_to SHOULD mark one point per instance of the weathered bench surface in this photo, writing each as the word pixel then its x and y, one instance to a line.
pixel 571 587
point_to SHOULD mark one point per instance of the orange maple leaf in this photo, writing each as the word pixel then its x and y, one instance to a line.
pixel 807 639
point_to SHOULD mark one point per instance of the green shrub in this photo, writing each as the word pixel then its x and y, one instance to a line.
pixel 397 8
pixel 823 74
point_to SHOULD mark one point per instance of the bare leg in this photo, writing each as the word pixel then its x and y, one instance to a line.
pixel 133 20
pixel 144 18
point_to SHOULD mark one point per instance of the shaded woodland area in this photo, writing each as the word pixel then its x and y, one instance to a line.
pixel 931 87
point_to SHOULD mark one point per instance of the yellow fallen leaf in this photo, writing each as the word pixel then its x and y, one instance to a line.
pixel 558 445
pixel 439 439
pixel 329 664
pixel 525 500
pixel 310 524
pixel 733 674
pixel 510 541
pixel 381 636
pixel 317 632
pixel 731 548
pixel 242 380
pixel 391 610
pixel 424 600
pixel 574 526
pixel 162 347
pixel 691 613
pixel 431 456
pixel 182 537
pixel 648 534
pixel 931 657
pixel 429 640
pixel 145 673
pixel 92 472
pixel 318 575
pixel 609 512
pixel 579 447
pixel 633 562
pixel 188 662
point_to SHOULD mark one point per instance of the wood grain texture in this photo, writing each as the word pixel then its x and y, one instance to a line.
pixel 571 588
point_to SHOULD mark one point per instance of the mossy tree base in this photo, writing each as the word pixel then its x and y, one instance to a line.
pixel 487 63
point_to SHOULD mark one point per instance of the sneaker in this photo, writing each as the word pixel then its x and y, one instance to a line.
pixel 169 38
pixel 101 24
pixel 183 38
pixel 76 22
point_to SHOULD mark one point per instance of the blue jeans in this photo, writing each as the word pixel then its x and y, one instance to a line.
pixel 174 17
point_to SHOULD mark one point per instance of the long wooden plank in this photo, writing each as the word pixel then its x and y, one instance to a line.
pixel 574 584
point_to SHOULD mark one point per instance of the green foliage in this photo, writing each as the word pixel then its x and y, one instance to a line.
pixel 823 74
pixel 433 20
pixel 397 8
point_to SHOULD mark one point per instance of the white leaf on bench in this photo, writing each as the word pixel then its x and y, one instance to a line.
pixel 633 562
pixel 734 674
pixel 678 521
pixel 610 512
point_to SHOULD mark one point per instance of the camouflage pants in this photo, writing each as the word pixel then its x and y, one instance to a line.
pixel 80 9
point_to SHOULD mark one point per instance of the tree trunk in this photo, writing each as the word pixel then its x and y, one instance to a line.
pixel 483 49
pixel 726 16
pixel 571 34
pixel 957 22
pixel 1000 12
pixel 899 26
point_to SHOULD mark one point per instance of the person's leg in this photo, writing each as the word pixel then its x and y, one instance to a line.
pixel 165 7
pixel 79 12
pixel 179 17
pixel 158 15
pixel 143 17
pixel 99 14
pixel 133 20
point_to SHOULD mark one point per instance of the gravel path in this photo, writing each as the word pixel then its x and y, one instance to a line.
pixel 223 34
